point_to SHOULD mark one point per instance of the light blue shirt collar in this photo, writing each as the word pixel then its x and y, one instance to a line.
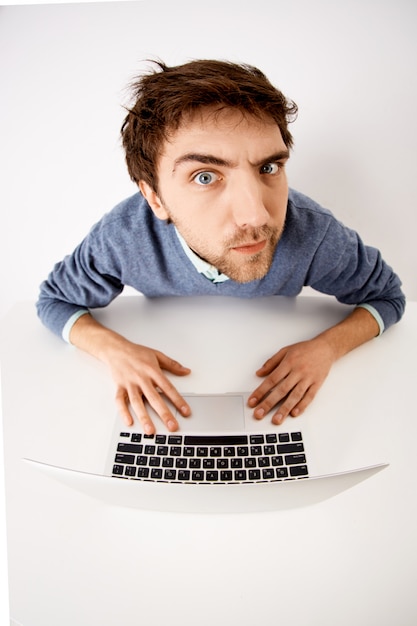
pixel 203 267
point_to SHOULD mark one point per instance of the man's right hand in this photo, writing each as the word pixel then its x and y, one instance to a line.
pixel 138 372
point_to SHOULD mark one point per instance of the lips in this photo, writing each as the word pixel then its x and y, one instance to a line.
pixel 250 248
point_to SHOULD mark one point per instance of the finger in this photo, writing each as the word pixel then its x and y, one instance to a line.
pixel 158 404
pixel 305 401
pixel 295 403
pixel 170 391
pixel 170 365
pixel 274 383
pixel 138 405
pixel 271 364
pixel 289 389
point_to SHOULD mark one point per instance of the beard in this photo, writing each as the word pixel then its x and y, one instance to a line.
pixel 244 268
pixel 240 267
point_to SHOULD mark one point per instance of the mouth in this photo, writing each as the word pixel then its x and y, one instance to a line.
pixel 251 248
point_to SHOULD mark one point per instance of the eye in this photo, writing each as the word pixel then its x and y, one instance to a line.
pixel 270 168
pixel 205 178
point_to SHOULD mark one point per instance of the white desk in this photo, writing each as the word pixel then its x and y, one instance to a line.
pixel 75 560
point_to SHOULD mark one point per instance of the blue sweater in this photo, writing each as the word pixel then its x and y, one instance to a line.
pixel 130 246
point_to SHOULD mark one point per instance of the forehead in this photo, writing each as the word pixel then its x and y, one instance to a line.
pixel 224 131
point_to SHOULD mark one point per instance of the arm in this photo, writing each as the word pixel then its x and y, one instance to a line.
pixel 295 373
pixel 137 372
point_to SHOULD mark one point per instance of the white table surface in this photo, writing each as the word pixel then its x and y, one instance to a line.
pixel 75 560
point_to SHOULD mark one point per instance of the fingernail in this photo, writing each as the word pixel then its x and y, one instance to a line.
pixel 148 429
pixel 260 413
pixel 278 419
pixel 185 410
pixel 172 425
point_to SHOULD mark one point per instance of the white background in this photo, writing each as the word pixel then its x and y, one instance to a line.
pixel 351 68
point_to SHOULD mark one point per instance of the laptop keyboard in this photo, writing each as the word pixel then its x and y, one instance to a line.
pixel 210 459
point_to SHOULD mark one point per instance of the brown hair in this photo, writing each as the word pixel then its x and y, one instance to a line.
pixel 164 97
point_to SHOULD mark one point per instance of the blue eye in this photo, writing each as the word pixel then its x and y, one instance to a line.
pixel 205 178
pixel 270 168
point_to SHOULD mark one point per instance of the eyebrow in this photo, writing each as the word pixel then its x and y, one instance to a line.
pixel 210 159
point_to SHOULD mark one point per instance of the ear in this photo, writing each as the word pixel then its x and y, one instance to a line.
pixel 153 200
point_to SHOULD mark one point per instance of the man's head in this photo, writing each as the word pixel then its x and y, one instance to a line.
pixel 164 99
pixel 207 143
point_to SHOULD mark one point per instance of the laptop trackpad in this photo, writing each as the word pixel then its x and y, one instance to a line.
pixel 214 413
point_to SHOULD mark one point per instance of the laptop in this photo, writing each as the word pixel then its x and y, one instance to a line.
pixel 221 461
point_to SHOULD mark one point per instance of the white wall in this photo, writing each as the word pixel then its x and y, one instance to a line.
pixel 351 68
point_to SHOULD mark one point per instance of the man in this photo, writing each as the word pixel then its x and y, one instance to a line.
pixel 207 144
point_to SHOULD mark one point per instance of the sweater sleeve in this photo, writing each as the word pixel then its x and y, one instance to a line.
pixel 77 283
pixel 356 274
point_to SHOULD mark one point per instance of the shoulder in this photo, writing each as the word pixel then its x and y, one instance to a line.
pixel 303 206
pixel 129 219
pixel 132 209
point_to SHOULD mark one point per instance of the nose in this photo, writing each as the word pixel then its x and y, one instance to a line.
pixel 247 202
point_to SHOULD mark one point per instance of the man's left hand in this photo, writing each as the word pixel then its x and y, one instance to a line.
pixel 293 377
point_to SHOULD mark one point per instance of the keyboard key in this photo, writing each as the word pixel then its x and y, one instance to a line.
pixel 156 473
pixel 142 460
pixel 125 435
pixel 242 451
pixel 269 449
pixel 160 439
pixel 281 472
pixel 289 448
pixel 118 470
pixel 250 462
pixel 256 439
pixel 143 472
pixel 180 462
pixel 229 451
pixel 127 459
pixel 222 463
pixel 299 470
pixel 168 461
pixel 154 461
pixel 240 475
pixel 183 475
pixel 162 450
pixel 170 474
pixel 254 474
pixel 215 451
pixel 277 460
pixel 264 461
pixel 130 470
pixel 235 463
pixel 255 450
pixel 208 463
pixel 271 438
pixel 175 440
pixel 149 449
pixel 136 448
pixel 201 451
pixel 136 437
pixel 267 473
pixel 189 451
pixel 175 450
pixel 283 437
pixel 212 475
pixel 148 436
pixel 197 475
pixel 296 436
pixel 295 459
pixel 226 476
pixel 195 463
